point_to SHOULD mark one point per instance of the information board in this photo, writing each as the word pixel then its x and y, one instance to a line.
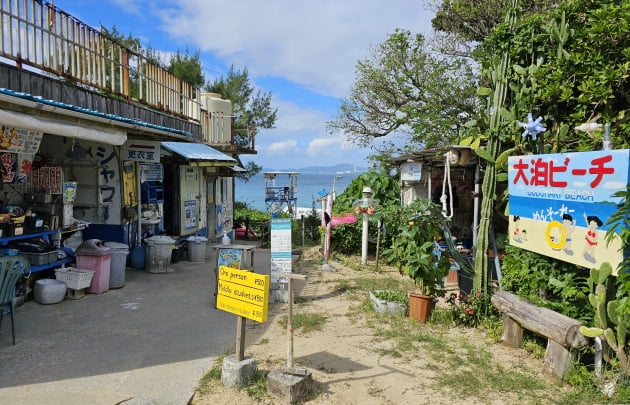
pixel 280 246
pixel 243 293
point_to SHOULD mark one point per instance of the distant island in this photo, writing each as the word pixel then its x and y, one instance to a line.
pixel 337 169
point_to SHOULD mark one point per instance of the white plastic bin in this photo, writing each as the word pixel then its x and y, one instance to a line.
pixel 159 249
pixel 197 246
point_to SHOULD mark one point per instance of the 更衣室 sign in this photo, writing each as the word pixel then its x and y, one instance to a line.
pixel 559 204
pixel 243 293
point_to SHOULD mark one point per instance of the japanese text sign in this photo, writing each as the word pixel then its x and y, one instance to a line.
pixel 559 204
pixel 243 293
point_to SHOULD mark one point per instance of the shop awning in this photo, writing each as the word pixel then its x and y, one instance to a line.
pixel 199 154
pixel 54 126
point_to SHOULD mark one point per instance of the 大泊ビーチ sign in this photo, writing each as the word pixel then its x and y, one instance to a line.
pixel 559 204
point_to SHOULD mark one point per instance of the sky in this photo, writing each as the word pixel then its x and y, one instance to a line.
pixel 303 52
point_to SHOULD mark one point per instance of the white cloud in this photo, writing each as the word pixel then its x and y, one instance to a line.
pixel 282 148
pixel 325 146
pixel 316 44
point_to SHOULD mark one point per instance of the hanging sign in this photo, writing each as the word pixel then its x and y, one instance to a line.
pixel 559 204
pixel 18 140
pixel 243 293
pixel 141 151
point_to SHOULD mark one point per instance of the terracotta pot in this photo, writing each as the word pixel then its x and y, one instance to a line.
pixel 420 307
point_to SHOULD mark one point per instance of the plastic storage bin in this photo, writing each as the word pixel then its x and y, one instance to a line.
pixel 74 278
pixel 197 246
pixel 159 250
pixel 118 264
pixel 94 255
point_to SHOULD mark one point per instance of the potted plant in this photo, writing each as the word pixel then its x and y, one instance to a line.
pixel 413 249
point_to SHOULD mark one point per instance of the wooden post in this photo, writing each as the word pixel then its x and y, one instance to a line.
pixel 290 325
pixel 290 369
pixel 240 338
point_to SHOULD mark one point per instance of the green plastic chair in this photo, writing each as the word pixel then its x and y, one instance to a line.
pixel 11 269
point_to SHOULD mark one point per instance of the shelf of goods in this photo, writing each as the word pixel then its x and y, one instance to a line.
pixel 44 235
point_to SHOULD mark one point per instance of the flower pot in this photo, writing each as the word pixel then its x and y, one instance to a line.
pixel 420 307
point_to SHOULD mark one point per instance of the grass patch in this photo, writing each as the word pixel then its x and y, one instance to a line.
pixel 212 377
pixel 307 322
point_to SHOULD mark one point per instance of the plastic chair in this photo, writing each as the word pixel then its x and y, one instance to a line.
pixel 11 269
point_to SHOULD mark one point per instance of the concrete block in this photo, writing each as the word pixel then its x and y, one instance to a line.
pixel 290 388
pixel 327 267
pixel 236 374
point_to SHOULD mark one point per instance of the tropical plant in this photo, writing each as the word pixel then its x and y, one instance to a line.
pixel 412 248
pixel 611 321
pixel 385 190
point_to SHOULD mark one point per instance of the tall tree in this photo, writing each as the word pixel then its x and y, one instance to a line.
pixel 461 24
pixel 187 67
pixel 253 111
pixel 405 88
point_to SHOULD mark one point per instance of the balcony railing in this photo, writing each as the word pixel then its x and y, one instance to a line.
pixel 39 36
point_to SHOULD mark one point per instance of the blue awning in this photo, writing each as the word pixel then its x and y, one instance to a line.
pixel 199 152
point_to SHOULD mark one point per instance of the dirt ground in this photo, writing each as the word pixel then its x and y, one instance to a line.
pixel 344 358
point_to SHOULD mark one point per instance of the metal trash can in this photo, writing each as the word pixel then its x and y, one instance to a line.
pixel 94 255
pixel 158 258
pixel 197 246
pixel 118 264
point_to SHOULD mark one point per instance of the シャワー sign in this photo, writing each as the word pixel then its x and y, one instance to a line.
pixel 559 204
pixel 243 293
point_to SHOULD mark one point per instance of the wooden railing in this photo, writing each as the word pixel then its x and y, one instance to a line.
pixel 40 35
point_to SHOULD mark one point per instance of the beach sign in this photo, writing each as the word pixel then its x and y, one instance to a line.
pixel 243 293
pixel 559 204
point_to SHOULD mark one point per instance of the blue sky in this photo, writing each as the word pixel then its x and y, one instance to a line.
pixel 304 53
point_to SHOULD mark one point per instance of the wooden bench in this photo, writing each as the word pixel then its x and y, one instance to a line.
pixel 561 331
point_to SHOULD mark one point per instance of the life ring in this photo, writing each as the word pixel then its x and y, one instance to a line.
pixel 563 235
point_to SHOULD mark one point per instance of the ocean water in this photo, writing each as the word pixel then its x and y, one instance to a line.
pixel 308 187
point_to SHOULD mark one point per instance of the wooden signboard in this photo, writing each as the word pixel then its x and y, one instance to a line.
pixel 243 293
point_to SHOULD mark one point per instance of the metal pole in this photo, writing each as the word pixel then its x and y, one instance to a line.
pixel 364 244
pixel 139 198
pixel 328 228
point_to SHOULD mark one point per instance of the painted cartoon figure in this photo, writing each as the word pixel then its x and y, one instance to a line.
pixel 569 226
pixel 592 223
pixel 516 237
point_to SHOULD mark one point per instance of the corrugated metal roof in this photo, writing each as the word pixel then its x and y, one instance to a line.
pixel 197 151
